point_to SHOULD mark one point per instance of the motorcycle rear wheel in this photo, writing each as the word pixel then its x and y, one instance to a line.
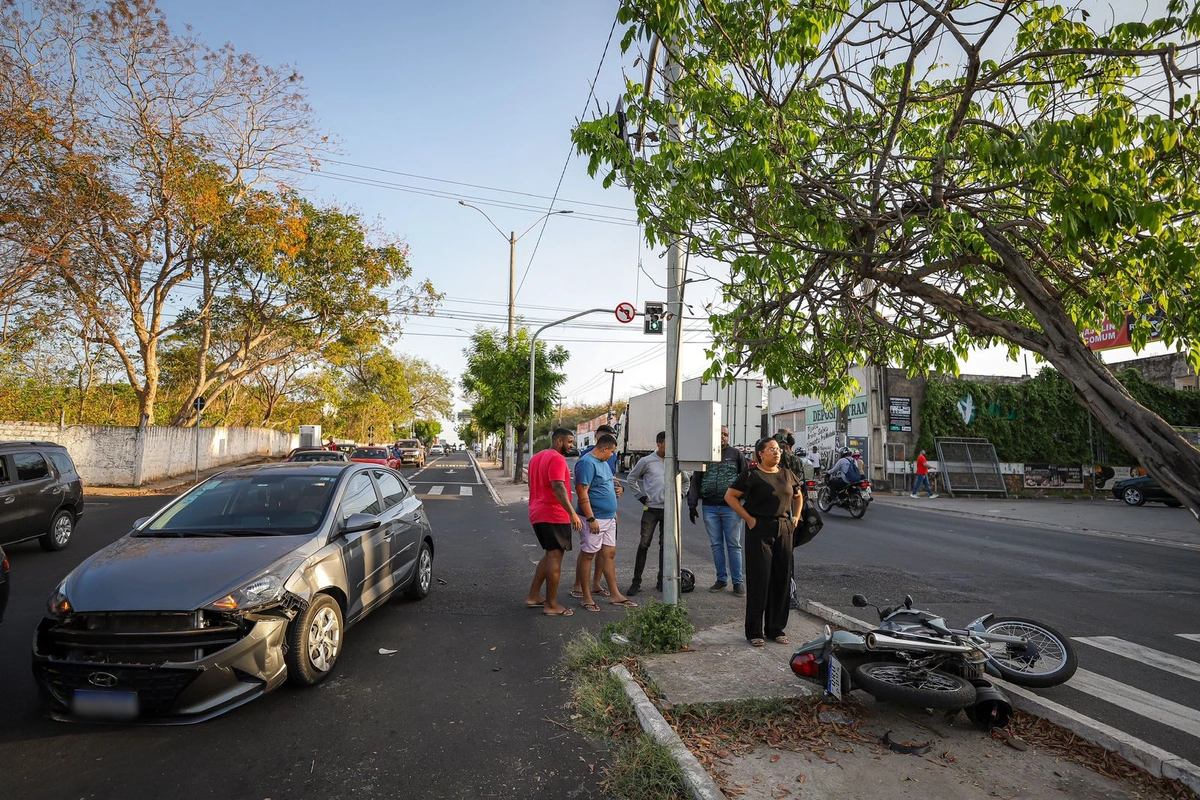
pixel 856 505
pixel 1052 660
pixel 824 500
pixel 899 683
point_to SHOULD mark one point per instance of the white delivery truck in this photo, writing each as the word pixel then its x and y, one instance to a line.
pixel 741 411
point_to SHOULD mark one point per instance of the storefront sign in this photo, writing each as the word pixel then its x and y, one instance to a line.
pixel 857 409
pixel 900 414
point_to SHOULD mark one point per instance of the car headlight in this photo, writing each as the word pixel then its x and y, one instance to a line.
pixel 58 605
pixel 260 591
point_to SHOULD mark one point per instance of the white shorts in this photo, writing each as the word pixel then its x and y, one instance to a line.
pixel 592 542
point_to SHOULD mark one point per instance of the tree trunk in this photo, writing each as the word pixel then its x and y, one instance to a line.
pixel 1158 447
pixel 518 455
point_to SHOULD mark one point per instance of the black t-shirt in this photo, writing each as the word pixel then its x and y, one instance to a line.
pixel 767 494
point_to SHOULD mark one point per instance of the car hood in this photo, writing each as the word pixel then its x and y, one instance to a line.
pixel 150 574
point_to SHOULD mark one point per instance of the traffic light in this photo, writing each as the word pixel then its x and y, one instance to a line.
pixel 652 320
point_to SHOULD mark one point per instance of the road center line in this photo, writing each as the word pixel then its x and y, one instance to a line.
pixel 1183 667
pixel 1150 706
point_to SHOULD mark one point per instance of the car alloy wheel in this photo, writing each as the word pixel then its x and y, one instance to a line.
pixel 421 582
pixel 1133 497
pixel 324 639
pixel 59 535
pixel 314 641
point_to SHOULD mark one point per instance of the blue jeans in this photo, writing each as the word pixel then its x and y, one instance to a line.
pixel 725 533
pixel 922 480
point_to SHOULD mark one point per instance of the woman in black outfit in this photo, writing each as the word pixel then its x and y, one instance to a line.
pixel 768 497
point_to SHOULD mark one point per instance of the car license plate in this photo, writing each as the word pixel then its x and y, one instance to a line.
pixel 104 705
pixel 833 684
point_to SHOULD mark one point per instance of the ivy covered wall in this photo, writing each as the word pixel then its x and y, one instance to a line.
pixel 1039 420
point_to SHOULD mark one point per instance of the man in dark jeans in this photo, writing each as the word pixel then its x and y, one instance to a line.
pixel 722 523
pixel 647 479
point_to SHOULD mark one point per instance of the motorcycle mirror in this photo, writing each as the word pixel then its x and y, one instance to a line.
pixel 908 601
pixel 859 601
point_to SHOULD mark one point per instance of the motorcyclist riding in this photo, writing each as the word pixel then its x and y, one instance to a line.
pixel 844 472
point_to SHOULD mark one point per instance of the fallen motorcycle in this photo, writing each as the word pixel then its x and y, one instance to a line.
pixel 855 498
pixel 914 658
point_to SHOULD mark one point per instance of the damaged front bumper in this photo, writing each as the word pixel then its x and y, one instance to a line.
pixel 159 668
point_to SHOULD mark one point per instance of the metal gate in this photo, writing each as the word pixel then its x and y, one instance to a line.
pixel 969 465
pixel 899 469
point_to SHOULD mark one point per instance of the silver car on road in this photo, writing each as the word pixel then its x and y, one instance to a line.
pixel 246 581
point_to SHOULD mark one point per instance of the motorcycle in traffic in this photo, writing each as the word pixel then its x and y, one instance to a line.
pixel 854 497
pixel 914 658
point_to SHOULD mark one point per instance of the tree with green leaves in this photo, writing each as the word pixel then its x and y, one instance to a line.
pixel 900 182
pixel 497 382
pixel 427 429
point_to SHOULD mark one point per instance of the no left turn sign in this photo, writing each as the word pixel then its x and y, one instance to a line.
pixel 625 312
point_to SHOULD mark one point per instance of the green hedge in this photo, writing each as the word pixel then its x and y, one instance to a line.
pixel 1040 421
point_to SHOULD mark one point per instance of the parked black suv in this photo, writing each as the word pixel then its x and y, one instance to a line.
pixel 41 495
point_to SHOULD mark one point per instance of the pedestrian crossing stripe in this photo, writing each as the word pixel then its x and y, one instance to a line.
pixel 463 491
pixel 1145 655
pixel 435 490
pixel 1143 704
pixel 1195 637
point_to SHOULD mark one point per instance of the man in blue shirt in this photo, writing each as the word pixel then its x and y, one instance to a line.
pixel 612 465
pixel 597 493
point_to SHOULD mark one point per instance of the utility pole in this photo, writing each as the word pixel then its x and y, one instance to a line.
pixel 674 334
pixel 509 446
pixel 611 391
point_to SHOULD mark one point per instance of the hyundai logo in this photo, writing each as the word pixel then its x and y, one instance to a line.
pixel 105 680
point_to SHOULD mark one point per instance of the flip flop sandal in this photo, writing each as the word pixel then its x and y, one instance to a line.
pixel 757 642
pixel 593 607
pixel 627 603
pixel 602 592
pixel 566 612
pixel 782 639
pixel 534 605
pixel 576 595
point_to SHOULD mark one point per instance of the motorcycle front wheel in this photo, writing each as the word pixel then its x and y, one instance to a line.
pixel 824 500
pixel 856 505
pixel 1048 660
pixel 921 688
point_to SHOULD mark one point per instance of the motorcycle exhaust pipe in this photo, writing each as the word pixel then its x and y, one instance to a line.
pixel 876 641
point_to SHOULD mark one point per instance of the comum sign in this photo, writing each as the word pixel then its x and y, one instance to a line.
pixel 857 409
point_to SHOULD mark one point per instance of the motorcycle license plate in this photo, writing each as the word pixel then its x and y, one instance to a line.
pixel 833 684
pixel 866 493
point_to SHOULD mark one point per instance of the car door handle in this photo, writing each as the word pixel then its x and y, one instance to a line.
pixel 10 499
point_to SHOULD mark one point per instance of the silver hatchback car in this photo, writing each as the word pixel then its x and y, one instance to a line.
pixel 248 580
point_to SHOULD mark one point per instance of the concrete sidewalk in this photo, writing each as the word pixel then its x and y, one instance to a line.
pixel 1153 522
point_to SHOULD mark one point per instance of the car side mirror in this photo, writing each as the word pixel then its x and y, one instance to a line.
pixel 361 522
pixel 859 601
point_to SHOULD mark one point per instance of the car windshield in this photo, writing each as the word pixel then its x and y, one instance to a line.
pixel 409 443
pixel 318 456
pixel 370 452
pixel 265 505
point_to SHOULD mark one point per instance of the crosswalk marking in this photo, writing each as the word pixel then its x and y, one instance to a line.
pixel 1142 703
pixel 464 491
pixel 1155 658
pixel 1195 637
pixel 434 490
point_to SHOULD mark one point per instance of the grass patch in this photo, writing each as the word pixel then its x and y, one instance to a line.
pixel 641 768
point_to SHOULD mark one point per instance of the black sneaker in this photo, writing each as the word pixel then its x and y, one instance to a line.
pixel 739 588
pixel 634 589
pixel 718 586
pixel 658 585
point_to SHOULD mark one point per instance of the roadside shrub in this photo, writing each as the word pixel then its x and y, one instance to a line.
pixel 653 628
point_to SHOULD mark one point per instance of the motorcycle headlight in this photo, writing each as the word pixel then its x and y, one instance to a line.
pixel 260 591
pixel 58 605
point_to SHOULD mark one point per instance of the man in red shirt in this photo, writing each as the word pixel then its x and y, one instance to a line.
pixel 923 476
pixel 553 517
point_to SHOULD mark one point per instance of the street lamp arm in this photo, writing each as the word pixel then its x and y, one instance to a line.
pixel 485 216
pixel 533 363
pixel 539 219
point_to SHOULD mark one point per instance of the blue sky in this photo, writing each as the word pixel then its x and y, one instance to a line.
pixel 482 93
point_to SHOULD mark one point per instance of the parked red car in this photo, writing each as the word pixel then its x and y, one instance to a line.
pixel 375 455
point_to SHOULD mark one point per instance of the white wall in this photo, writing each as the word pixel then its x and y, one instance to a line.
pixel 113 456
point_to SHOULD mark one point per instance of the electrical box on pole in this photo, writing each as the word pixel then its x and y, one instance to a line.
pixel 652 320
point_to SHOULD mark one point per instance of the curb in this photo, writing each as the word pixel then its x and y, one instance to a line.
pixel 1050 526
pixel 1155 760
pixel 483 474
pixel 700 785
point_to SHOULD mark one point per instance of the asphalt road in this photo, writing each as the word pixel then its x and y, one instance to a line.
pixel 460 711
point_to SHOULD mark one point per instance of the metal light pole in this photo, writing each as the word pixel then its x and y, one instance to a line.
pixel 533 354
pixel 612 391
pixel 512 238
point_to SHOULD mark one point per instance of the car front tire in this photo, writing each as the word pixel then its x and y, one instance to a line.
pixel 1133 497
pixel 59 535
pixel 422 578
pixel 314 642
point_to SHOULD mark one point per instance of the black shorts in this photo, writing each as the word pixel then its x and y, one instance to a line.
pixel 553 535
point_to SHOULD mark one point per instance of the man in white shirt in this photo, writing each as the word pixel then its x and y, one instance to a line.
pixel 647 479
